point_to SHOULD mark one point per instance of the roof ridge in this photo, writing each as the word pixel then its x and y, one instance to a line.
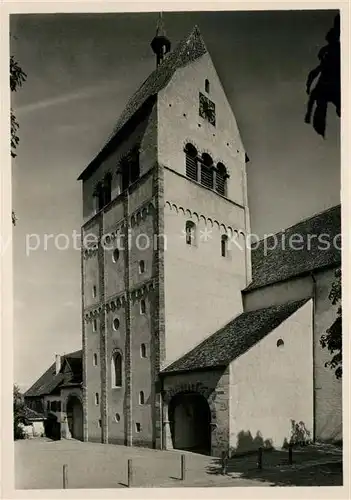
pixel 253 326
pixel 301 222
pixel 157 80
pixel 221 329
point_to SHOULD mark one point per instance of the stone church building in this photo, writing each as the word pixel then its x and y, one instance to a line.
pixel 192 338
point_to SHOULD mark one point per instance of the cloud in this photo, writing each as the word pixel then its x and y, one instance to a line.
pixel 70 303
pixel 82 94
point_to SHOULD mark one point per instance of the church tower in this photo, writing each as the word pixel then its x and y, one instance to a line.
pixel 164 256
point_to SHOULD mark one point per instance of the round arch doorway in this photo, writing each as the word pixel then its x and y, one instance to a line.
pixel 190 422
pixel 75 417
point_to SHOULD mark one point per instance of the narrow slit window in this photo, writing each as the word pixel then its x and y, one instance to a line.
pixel 96 398
pixel 141 398
pixel 116 369
pixel 143 350
pixel 142 306
pixel 190 232
pixel 141 267
pixel 207 86
pixel 224 245
pixel 95 359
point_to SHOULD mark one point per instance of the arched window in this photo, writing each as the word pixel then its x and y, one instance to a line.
pixel 116 369
pixel 191 162
pixel 221 179
pixel 99 197
pixel 207 86
pixel 224 245
pixel 115 255
pixel 142 306
pixel 130 168
pixel 207 171
pixel 141 398
pixel 143 350
pixel 107 188
pixel 190 232
pixel 134 165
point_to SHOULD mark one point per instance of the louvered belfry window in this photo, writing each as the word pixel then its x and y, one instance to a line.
pixel 221 179
pixel 207 171
pixel 191 162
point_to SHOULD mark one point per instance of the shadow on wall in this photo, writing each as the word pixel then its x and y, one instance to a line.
pixel 299 435
pixel 312 465
pixel 247 443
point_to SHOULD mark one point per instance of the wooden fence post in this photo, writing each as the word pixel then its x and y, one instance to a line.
pixel 64 476
pixel 290 454
pixel 182 467
pixel 259 458
pixel 130 473
pixel 224 463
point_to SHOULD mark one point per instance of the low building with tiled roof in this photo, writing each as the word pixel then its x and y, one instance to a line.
pixel 52 393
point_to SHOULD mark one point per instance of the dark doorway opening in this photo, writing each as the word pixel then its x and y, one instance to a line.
pixel 190 422
pixel 75 418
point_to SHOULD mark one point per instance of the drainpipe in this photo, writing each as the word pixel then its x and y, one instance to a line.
pixel 314 295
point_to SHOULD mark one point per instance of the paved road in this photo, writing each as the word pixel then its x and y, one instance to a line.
pixel 39 465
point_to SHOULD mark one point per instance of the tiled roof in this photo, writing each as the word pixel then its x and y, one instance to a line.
pixel 188 50
pixel 271 264
pixel 50 381
pixel 235 338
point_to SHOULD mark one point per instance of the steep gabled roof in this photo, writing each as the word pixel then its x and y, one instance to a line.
pixel 49 381
pixel 189 49
pixel 234 339
pixel 271 264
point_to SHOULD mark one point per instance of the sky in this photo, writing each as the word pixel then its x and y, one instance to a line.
pixel 82 68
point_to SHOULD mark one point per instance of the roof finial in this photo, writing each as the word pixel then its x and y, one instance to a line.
pixel 160 30
pixel 160 44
